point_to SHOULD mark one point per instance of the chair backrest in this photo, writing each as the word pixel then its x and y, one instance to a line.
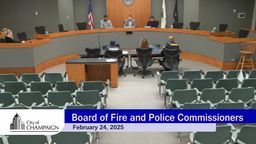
pixel 26 139
pixel 184 96
pixel 171 57
pixel 31 98
pixel 201 84
pixel 45 107
pixel 176 84
pixel 251 82
pixel 7 77
pixel 227 84
pixel 237 105
pixel 234 73
pixel 22 36
pixel 113 53
pixel 81 25
pixel 177 25
pixel 40 29
pixel 81 107
pixel 247 134
pixel 43 87
pixel 14 87
pixel 66 86
pixel 144 55
pixel 6 99
pixel 241 94
pixel 197 106
pixel 165 75
pixel 221 136
pixel 53 77
pixel 194 25
pixel 92 52
pixel 191 75
pixel 223 27
pixel 252 74
pixel 71 138
pixel 215 75
pixel 93 85
pixel 243 33
pixel 88 97
pixel 30 77
pixel 59 98
pixel 61 28
pixel 213 95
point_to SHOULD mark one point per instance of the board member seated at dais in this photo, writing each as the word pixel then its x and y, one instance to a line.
pixel 129 22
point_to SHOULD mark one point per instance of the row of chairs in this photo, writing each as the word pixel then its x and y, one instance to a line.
pixel 60 138
pixel 237 98
pixel 225 134
pixel 61 99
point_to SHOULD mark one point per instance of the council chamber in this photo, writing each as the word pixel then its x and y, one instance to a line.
pixel 129 55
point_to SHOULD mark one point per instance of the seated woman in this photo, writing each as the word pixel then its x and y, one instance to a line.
pixel 144 43
pixel 8 36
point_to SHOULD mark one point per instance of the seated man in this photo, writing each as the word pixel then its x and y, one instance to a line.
pixel 105 23
pixel 152 22
pixel 171 55
pixel 130 22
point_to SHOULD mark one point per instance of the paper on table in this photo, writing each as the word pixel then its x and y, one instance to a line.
pixel 110 60
pixel 125 52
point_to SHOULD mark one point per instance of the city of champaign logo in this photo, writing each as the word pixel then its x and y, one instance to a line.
pixel 18 125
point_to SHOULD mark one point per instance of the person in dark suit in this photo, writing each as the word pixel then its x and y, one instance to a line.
pixel 8 36
pixel 171 44
pixel 152 22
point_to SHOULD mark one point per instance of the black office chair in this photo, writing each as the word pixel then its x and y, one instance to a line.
pixel 223 27
pixel 81 25
pixel 144 60
pixel 194 25
pixel 177 25
pixel 243 33
pixel 171 59
pixel 40 29
pixel 61 28
pixel 22 36
pixel 119 55
pixel 92 52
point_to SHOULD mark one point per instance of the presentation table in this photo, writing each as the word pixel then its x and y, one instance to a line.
pixel 93 69
pixel 56 48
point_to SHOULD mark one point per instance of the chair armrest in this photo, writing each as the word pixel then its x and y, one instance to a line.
pixel 168 92
pixel 177 104
pixel 42 75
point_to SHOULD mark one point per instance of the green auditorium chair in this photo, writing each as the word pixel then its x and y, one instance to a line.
pixel 252 74
pixel 246 135
pixel 27 139
pixel 80 107
pixel 215 75
pixel 234 73
pixel 253 105
pixel 7 78
pixel 60 98
pixel 27 78
pixel 172 85
pixel 97 85
pixel 14 87
pixel 213 96
pixel 222 135
pixel 201 84
pixel 1 140
pixel 53 77
pixel 29 99
pixel 67 86
pixel 89 97
pixel 191 75
pixel 227 84
pixel 45 107
pixel 228 105
pixel 164 76
pixel 251 82
pixel 197 106
pixel 14 107
pixel 180 97
pixel 71 138
pixel 43 87
pixel 6 99
pixel 244 95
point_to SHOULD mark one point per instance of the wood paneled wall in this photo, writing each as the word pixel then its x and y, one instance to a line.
pixel 118 12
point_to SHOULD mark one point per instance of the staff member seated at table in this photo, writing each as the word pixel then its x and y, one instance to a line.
pixel 105 23
pixel 130 22
pixel 152 22
pixel 144 43
pixel 8 36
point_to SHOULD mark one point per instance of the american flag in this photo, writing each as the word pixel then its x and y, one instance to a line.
pixel 90 16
